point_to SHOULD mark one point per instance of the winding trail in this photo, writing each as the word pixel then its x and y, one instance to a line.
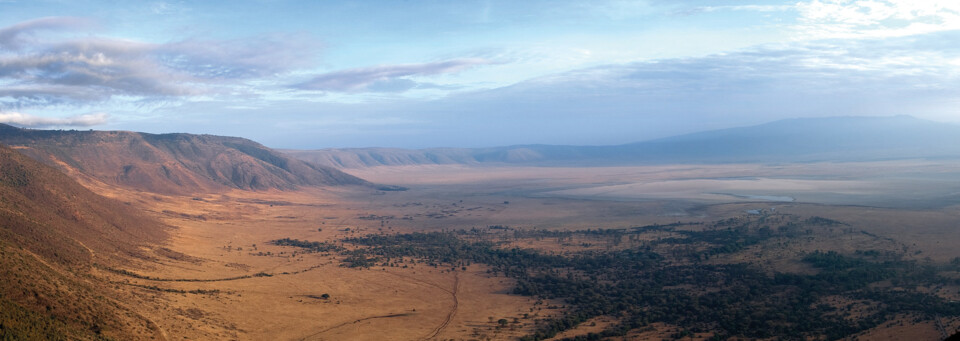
pixel 93 254
pixel 418 280
pixel 352 322
pixel 453 310
pixel 151 324
pixel 436 331
pixel 943 331
pixel 159 333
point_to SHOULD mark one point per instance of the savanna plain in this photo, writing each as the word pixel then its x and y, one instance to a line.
pixel 810 251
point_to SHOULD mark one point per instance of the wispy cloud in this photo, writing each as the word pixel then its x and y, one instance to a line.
pixel 635 101
pixel 386 78
pixel 19 96
pixel 90 69
pixel 744 8
pixel 249 57
pixel 821 67
pixel 167 8
pixel 26 120
pixel 15 36
pixel 71 68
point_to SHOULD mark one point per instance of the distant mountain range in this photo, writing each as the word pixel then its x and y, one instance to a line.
pixel 187 163
pixel 792 140
pixel 170 163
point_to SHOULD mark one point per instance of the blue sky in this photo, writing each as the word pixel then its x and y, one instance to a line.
pixel 299 74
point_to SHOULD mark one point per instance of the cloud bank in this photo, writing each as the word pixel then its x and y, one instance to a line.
pixel 77 69
pixel 876 18
pixel 31 121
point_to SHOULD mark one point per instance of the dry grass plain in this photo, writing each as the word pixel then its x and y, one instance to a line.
pixel 244 288
pixel 221 244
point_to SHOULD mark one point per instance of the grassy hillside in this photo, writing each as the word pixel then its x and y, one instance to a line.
pixel 52 232
pixel 171 163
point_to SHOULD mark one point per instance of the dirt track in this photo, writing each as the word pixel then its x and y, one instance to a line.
pixel 453 310
pixel 351 322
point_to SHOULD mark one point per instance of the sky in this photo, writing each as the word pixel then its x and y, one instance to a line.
pixel 471 73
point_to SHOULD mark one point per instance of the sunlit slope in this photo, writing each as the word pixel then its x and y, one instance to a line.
pixel 52 233
pixel 171 163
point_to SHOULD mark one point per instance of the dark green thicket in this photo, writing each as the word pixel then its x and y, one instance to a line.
pixel 667 279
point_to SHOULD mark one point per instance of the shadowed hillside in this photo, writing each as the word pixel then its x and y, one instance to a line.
pixel 171 163
pixel 794 140
pixel 370 157
pixel 52 232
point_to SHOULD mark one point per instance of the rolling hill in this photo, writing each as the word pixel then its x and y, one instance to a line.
pixel 792 140
pixel 52 232
pixel 170 163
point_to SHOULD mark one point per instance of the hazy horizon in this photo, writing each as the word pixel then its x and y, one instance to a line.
pixel 471 74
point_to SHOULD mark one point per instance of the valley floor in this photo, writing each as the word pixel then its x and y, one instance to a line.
pixel 220 276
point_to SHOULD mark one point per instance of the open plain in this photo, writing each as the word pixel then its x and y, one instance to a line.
pixel 221 276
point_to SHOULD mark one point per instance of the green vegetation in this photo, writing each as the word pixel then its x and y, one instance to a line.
pixel 18 323
pixel 673 280
pixel 309 246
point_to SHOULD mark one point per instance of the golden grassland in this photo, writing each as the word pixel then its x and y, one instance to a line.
pixel 221 244
pixel 218 276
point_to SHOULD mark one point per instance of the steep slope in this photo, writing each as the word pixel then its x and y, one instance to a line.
pixel 171 163
pixel 52 231
pixel 793 140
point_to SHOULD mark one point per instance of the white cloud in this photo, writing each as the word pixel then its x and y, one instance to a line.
pixel 876 18
pixel 27 120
